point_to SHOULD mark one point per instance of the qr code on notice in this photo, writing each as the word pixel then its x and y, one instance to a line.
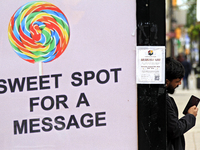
pixel 157 77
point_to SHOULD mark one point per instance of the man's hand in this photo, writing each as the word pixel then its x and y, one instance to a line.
pixel 193 110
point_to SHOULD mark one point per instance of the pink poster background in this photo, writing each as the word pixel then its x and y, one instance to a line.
pixel 102 37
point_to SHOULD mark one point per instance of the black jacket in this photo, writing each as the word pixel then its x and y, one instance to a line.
pixel 177 127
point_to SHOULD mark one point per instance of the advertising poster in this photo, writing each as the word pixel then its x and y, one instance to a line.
pixel 150 64
pixel 67 79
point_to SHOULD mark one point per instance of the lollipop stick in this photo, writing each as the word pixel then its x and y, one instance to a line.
pixel 40 68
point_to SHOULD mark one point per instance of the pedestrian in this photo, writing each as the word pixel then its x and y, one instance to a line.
pixel 176 127
pixel 187 67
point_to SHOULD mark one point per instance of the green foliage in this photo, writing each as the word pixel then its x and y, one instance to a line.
pixel 191 13
pixel 191 23
pixel 194 31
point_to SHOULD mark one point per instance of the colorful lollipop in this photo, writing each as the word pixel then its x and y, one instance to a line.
pixel 39 32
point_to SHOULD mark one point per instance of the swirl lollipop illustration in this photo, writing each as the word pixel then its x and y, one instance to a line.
pixel 39 32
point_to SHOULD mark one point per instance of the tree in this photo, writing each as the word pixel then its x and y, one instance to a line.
pixel 191 13
pixel 191 22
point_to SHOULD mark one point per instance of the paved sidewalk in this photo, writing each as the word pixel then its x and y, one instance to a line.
pixel 192 137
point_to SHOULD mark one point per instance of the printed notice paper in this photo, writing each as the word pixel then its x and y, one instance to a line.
pixel 150 64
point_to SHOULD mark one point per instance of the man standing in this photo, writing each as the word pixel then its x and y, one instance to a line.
pixel 187 67
pixel 176 127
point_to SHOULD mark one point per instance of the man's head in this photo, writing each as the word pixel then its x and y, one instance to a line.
pixel 174 73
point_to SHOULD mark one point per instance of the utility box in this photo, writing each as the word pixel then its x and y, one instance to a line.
pixel 198 82
pixel 197 73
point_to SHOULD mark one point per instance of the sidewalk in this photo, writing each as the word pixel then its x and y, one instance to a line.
pixel 192 137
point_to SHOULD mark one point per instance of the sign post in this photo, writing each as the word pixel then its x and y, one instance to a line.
pixel 151 36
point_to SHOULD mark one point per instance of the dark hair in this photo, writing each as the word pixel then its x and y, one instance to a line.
pixel 174 69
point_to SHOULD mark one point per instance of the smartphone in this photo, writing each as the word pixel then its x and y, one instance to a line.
pixel 192 101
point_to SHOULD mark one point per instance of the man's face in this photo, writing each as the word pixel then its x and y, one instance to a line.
pixel 171 85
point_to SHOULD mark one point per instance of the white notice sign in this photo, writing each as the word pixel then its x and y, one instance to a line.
pixel 150 64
